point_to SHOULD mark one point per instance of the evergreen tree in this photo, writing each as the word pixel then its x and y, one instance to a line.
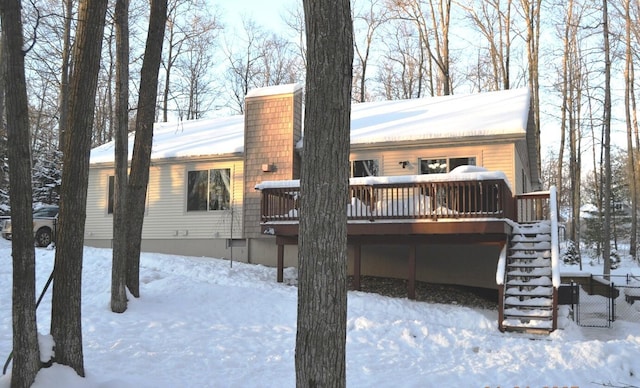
pixel 47 176
pixel 571 254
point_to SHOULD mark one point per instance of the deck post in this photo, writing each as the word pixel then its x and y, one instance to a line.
pixel 357 250
pixel 280 263
pixel 411 286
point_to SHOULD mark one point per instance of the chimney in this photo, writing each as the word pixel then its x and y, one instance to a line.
pixel 272 127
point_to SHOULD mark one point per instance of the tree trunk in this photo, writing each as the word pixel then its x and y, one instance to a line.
pixel 26 355
pixel 322 289
pixel 629 91
pixel 531 10
pixel 139 176
pixel 606 128
pixel 66 325
pixel 564 107
pixel 119 266
pixel 63 99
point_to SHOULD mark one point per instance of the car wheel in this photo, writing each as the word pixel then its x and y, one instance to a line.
pixel 43 237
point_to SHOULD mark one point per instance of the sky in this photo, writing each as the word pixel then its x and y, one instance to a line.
pixel 204 322
pixel 266 13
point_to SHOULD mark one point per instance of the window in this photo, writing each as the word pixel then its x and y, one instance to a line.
pixel 208 189
pixel 362 168
pixel 443 165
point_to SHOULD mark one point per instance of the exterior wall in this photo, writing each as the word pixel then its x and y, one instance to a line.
pixel 522 166
pixel 272 128
pixel 167 221
pixel 470 265
pixel 213 247
pixel 99 224
pixel 501 157
pixel 494 157
pixel 264 251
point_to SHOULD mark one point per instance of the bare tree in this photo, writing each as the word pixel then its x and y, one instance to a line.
pixel 372 16
pixel 635 30
pixel 606 134
pixel 434 37
pixel 65 69
pixel 322 291
pixel 139 175
pixel 279 63
pixel 190 25
pixel 197 91
pixel 629 103
pixel 66 327
pixel 531 13
pixel 572 80
pixel 26 353
pixel 493 21
pixel 294 19
pixel 119 266
pixel 401 69
pixel 244 57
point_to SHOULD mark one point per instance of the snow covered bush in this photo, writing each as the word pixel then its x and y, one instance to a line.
pixel 571 254
pixel 614 259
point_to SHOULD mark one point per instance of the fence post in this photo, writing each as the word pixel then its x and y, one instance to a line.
pixel 613 302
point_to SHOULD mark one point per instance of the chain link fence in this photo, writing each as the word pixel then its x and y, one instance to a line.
pixel 597 301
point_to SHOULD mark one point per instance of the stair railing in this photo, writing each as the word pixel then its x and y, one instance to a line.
pixel 501 275
pixel 555 251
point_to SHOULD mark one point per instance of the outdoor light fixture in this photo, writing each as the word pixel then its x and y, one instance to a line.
pixel 404 163
pixel 268 167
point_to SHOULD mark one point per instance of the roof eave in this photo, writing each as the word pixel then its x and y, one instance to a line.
pixel 181 159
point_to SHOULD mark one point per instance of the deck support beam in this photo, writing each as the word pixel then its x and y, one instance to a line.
pixel 357 251
pixel 280 269
pixel 411 284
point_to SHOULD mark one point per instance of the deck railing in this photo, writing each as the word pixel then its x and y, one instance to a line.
pixel 532 207
pixel 405 200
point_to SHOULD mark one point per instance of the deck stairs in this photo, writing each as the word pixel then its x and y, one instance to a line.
pixel 527 304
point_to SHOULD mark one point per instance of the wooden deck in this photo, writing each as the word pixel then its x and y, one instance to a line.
pixel 409 211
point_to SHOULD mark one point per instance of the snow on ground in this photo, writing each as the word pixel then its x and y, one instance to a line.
pixel 204 323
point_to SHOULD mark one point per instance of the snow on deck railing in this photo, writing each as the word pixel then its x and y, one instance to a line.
pixel 555 244
pixel 479 194
pixel 469 173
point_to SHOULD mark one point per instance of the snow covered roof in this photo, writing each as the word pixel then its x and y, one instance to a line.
pixel 217 136
pixel 486 114
pixel 274 90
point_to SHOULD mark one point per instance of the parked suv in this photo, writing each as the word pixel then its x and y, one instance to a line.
pixel 45 220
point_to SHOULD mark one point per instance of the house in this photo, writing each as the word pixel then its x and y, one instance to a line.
pixel 223 187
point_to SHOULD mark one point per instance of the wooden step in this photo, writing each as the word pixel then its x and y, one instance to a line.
pixel 528 314
pixel 526 255
pixel 531 238
pixel 528 303
pixel 529 262
pixel 535 328
pixel 531 246
pixel 529 291
pixel 542 281
pixel 530 272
